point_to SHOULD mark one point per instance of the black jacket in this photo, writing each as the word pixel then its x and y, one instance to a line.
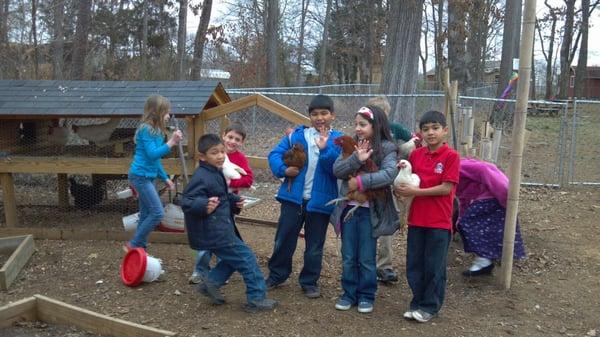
pixel 209 231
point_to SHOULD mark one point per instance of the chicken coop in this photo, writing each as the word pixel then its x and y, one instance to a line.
pixel 66 147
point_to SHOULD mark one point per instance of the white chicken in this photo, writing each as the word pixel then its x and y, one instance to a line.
pixel 405 176
pixel 232 171
pixel 97 134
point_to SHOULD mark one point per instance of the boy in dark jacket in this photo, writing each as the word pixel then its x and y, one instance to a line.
pixel 208 210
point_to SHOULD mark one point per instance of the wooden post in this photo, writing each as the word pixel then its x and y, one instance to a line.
pixel 63 191
pixel 10 203
pixel 516 157
pixel 191 137
pixel 496 141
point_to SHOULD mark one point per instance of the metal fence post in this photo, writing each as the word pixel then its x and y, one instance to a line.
pixel 573 143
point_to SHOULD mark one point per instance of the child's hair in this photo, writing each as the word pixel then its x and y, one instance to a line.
pixel 432 116
pixel 155 109
pixel 382 103
pixel 321 102
pixel 207 141
pixel 237 128
pixel 381 129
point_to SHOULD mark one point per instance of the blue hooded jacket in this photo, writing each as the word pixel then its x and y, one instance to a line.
pixel 324 187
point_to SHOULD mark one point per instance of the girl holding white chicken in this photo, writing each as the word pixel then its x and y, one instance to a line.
pixel 146 167
pixel 375 157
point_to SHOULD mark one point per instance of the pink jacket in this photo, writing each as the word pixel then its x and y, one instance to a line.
pixel 480 180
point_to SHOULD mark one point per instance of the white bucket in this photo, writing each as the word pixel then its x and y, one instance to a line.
pixel 173 221
pixel 130 221
pixel 124 194
pixel 153 269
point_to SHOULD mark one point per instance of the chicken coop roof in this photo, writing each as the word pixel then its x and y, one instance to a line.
pixel 105 98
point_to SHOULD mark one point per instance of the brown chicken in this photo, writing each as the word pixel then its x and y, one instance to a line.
pixel 294 157
pixel 348 145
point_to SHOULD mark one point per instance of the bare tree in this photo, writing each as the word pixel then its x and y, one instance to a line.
pixel 511 32
pixel 181 38
pixel 439 37
pixel 324 43
pixel 34 33
pixel 58 39
pixel 401 63
pixel 271 40
pixel 565 49
pixel 457 34
pixel 581 73
pixel 201 39
pixel 304 11
pixel 144 42
pixel 552 19
pixel 424 51
pixel 81 39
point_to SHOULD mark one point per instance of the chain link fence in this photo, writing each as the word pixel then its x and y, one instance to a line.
pixel 561 146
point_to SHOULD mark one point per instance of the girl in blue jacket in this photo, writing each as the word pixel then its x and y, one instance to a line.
pixel 146 167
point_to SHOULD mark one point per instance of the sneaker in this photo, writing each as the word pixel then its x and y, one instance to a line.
pixel 387 275
pixel 127 247
pixel 272 284
pixel 365 307
pixel 409 315
pixel 212 292
pixel 422 316
pixel 195 278
pixel 343 304
pixel 311 292
pixel 260 305
pixel 483 271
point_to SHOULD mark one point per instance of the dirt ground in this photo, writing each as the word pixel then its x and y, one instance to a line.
pixel 554 292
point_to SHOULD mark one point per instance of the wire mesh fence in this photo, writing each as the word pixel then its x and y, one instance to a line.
pixel 561 146
pixel 584 147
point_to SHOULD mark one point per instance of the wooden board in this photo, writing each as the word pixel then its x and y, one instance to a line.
pixel 79 165
pixel 18 259
pixel 22 310
pixel 56 312
pixel 52 311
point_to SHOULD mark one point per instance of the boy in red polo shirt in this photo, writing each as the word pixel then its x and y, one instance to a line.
pixel 429 218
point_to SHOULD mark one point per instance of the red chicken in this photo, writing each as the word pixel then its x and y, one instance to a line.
pixel 294 157
pixel 348 145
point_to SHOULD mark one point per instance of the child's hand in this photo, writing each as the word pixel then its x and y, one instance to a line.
pixel 321 141
pixel 176 137
pixel 292 171
pixel 363 150
pixel 405 190
pixel 240 204
pixel 170 184
pixel 213 202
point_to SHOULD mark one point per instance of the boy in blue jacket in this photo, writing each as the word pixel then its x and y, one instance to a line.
pixel 304 203
pixel 208 211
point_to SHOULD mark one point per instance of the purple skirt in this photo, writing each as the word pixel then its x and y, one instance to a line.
pixel 482 230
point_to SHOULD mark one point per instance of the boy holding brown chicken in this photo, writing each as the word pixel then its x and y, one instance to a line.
pixel 303 195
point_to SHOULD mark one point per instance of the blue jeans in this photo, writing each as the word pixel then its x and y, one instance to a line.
pixel 291 218
pixel 426 255
pixel 240 258
pixel 359 247
pixel 151 209
pixel 202 266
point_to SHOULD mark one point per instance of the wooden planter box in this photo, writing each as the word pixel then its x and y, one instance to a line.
pixel 20 249
pixel 42 308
